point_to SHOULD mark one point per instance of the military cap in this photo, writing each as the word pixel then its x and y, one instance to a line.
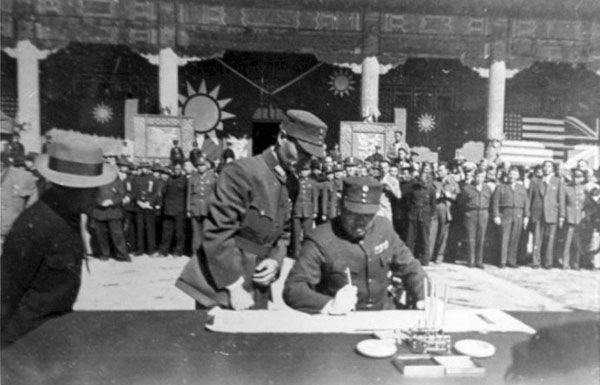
pixel 469 166
pixel 164 170
pixel 124 162
pixel 337 167
pixel 350 161
pixel 307 129
pixel 328 170
pixel 202 162
pixel 304 166
pixel 157 167
pixel 361 195
pixel 405 166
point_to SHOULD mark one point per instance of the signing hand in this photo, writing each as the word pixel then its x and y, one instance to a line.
pixel 265 272
pixel 345 300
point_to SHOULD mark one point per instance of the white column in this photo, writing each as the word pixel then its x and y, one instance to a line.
pixel 28 92
pixel 168 80
pixel 496 95
pixel 370 89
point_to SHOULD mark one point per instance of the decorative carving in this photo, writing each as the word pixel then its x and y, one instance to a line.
pixel 359 138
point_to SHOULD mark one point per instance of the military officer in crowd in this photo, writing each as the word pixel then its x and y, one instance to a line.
pixel 446 191
pixel 128 173
pixel 351 166
pixel 200 185
pixel 108 220
pixel 545 203
pixel 420 204
pixel 475 200
pixel 349 262
pixel 174 213
pixel 146 194
pixel 572 201
pixel 510 210
pixel 244 231
pixel 329 198
pixel 306 207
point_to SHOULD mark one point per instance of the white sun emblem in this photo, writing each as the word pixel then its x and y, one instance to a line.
pixel 426 122
pixel 341 83
pixel 102 113
pixel 205 108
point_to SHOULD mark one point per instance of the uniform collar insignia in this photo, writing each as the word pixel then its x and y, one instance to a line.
pixel 381 247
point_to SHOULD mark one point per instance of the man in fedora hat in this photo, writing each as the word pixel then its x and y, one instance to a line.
pixel 349 262
pixel 42 256
pixel 244 238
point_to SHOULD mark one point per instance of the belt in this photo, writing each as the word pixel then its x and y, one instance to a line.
pixel 252 247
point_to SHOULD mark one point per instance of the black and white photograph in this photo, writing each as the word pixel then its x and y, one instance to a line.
pixel 294 192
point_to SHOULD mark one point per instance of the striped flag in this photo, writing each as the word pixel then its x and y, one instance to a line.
pixel 548 132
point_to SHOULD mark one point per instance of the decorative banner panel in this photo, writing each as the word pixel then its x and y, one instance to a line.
pixel 360 138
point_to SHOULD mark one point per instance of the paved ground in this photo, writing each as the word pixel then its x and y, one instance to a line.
pixel 147 284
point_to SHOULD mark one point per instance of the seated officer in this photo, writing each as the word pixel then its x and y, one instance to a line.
pixel 357 243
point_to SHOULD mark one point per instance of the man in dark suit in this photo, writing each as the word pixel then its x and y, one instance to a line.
pixel 510 209
pixel 245 240
pixel 544 198
pixel 146 193
pixel 174 210
pixel 572 201
pixel 305 207
pixel 108 218
pixel 421 206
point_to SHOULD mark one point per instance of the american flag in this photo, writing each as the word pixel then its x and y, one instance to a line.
pixel 548 132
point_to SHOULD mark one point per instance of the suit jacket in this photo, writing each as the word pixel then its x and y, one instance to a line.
pixel 545 200
pixel 421 201
pixel 114 191
pixel 505 198
pixel 175 194
pixel 146 188
pixel 572 201
pixel 198 192
pixel 307 201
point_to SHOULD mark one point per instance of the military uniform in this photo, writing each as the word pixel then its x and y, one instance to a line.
pixel 146 192
pixel 328 252
pixel 572 200
pixel 329 199
pixel 174 210
pixel 476 205
pixel 198 192
pixel 511 205
pixel 246 220
pixel 305 210
pixel 421 206
pixel 108 220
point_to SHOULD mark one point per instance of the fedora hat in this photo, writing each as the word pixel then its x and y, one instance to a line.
pixel 78 165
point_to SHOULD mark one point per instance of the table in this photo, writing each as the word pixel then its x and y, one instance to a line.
pixel 172 347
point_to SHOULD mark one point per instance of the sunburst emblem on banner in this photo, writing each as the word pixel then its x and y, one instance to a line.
pixel 102 113
pixel 426 122
pixel 341 83
pixel 205 108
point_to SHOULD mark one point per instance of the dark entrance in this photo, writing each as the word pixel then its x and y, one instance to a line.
pixel 264 134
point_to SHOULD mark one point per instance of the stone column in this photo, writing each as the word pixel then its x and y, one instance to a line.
pixel 28 92
pixel 496 95
pixel 168 81
pixel 369 95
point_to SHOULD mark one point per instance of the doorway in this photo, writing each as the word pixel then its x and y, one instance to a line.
pixel 264 134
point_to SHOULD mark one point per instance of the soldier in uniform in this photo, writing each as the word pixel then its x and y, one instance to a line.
pixel 146 195
pixel 329 197
pixel 199 187
pixel 108 218
pixel 572 201
pixel 244 231
pixel 305 207
pixel 420 202
pixel 174 212
pixel 128 173
pixel 351 166
pixel 475 199
pixel 510 209
pixel 356 243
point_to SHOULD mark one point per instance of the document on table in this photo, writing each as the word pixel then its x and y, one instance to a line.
pixel 291 321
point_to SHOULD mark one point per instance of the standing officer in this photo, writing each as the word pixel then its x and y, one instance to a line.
pixel 544 198
pixel 356 243
pixel 146 193
pixel 475 199
pixel 305 207
pixel 108 218
pixel 510 209
pixel 200 185
pixel 244 239
pixel 329 199
pixel 573 200
pixel 421 206
pixel 174 210
pixel 351 166
pixel 129 173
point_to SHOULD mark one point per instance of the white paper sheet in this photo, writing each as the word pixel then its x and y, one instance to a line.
pixel 290 321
